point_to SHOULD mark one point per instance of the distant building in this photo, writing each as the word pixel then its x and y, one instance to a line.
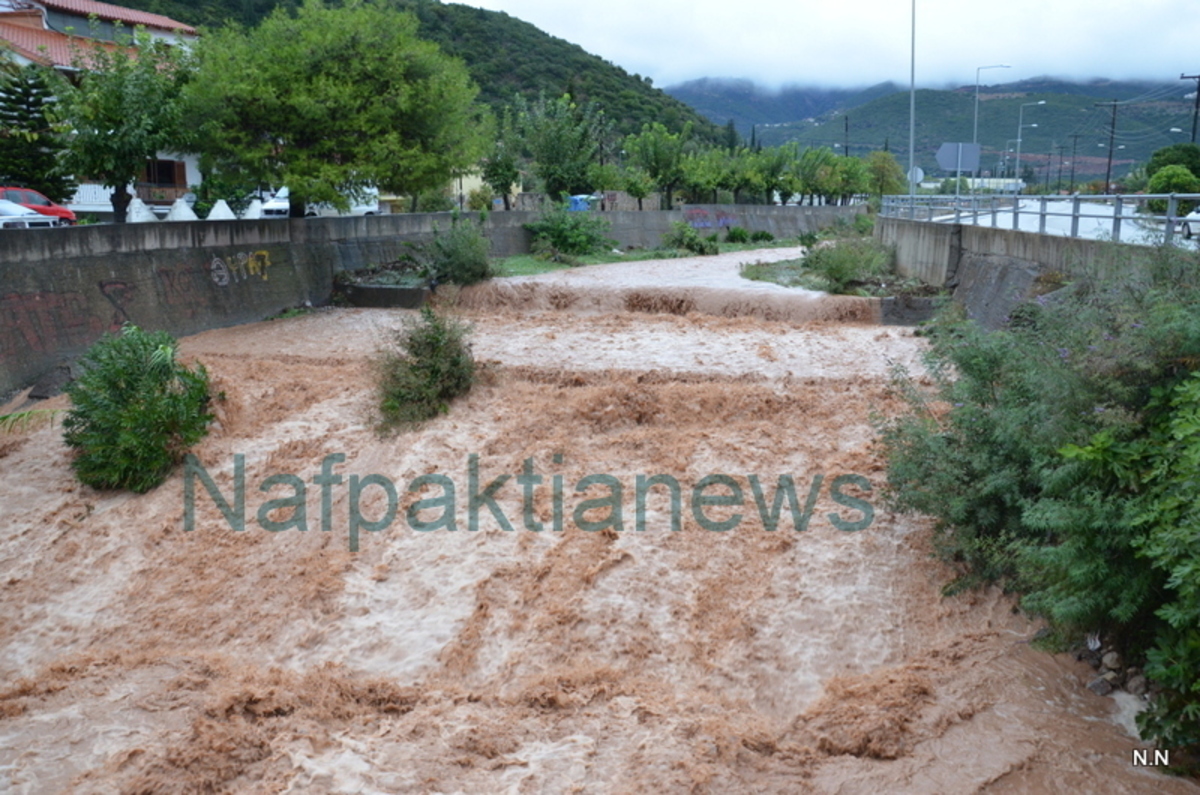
pixel 42 32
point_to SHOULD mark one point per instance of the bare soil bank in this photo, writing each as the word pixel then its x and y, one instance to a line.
pixel 140 658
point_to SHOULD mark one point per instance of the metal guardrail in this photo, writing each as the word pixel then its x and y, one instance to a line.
pixel 1077 215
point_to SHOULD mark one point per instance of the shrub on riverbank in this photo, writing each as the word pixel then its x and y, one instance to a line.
pixel 134 411
pixel 1061 456
pixel 429 364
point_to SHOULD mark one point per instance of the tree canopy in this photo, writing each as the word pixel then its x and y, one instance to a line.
pixel 659 153
pixel 331 100
pixel 1186 155
pixel 504 55
pixel 884 174
pixel 564 140
pixel 121 108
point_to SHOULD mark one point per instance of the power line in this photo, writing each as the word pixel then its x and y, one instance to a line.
pixel 1149 96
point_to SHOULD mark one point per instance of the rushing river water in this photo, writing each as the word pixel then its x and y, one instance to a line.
pixel 723 656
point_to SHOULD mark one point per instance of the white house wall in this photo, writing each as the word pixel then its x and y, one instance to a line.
pixel 93 198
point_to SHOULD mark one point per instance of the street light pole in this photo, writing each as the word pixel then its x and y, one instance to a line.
pixel 912 113
pixel 1020 125
pixel 978 69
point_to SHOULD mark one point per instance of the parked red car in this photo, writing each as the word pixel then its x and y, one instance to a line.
pixel 27 197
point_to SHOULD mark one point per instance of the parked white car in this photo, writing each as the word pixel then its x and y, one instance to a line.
pixel 277 206
pixel 14 216
pixel 1190 224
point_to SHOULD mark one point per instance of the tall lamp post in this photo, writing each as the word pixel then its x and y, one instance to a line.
pixel 912 115
pixel 975 129
pixel 1020 126
pixel 1008 147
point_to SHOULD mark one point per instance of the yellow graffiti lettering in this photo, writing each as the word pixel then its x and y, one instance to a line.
pixel 259 261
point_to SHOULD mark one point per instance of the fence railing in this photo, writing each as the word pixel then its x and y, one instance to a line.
pixel 1145 218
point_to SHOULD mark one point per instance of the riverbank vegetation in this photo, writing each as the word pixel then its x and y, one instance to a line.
pixel 1061 457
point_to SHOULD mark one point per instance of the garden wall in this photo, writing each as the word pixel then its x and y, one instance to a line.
pixel 60 289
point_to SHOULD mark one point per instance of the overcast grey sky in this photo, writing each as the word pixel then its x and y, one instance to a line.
pixel 862 42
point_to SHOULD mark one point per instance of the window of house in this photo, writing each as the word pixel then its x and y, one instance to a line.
pixel 165 174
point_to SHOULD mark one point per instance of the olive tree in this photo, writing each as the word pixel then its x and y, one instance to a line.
pixel 331 100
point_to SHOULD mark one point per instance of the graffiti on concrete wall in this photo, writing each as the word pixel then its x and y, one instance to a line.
pixel 240 267
pixel 45 322
pixel 183 289
pixel 700 218
pixel 186 289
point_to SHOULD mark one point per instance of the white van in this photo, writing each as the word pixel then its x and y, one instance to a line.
pixel 277 206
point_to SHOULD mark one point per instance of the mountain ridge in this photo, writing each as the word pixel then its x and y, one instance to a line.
pixel 1072 124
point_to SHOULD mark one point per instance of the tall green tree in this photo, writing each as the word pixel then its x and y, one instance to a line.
pixel 856 180
pixel 703 174
pixel 659 153
pixel 774 163
pixel 120 108
pixel 502 166
pixel 884 174
pixel 638 184
pixel 743 175
pixel 29 147
pixel 730 138
pixel 815 167
pixel 563 140
pixel 331 100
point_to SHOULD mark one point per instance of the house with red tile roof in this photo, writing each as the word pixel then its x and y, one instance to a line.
pixel 41 31
pixel 48 32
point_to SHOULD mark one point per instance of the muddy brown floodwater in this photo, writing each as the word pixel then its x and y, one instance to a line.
pixel 140 657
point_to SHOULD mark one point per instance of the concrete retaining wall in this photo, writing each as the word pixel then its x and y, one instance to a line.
pixel 60 289
pixel 924 251
pixel 992 270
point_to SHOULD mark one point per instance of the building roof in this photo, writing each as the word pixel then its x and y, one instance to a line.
pixel 46 47
pixel 112 13
pixel 41 46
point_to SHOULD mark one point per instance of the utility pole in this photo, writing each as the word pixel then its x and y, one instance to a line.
pixel 1196 107
pixel 1112 134
pixel 1074 146
pixel 1058 182
pixel 912 113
